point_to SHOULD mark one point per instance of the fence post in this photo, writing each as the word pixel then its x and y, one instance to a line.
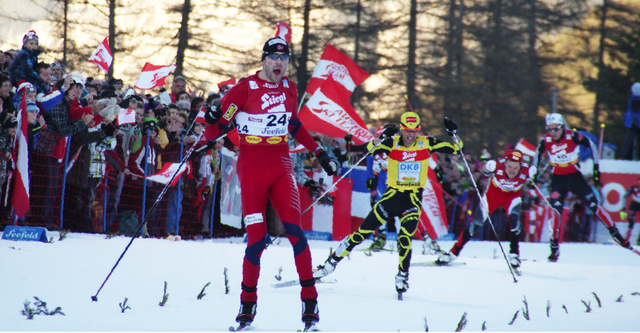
pixel 144 180
pixel 64 182
pixel 179 205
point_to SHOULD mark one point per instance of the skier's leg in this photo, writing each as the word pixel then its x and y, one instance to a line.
pixel 286 202
pixel 408 226
pixel 514 231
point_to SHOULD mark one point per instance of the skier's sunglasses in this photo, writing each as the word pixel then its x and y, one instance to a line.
pixel 275 56
pixel 550 130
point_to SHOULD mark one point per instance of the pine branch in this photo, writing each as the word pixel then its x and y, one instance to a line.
pixel 63 234
pixel 462 323
pixel 202 293
pixel 279 276
pixel 548 308
pixel 525 310
pixel 426 327
pixel 514 317
pixel 28 310
pixel 565 309
pixel 124 306
pixel 619 300
pixel 635 293
pixel 597 299
pixel 587 304
pixel 484 325
pixel 226 282
pixel 165 297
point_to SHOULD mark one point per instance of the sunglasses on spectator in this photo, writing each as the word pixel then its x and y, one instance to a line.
pixel 275 56
pixel 410 130
pixel 550 130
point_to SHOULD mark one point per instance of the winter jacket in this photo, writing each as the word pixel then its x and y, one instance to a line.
pixel 21 68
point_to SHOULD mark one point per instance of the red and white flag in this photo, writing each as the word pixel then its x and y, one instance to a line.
pixel 328 112
pixel 297 149
pixel 343 70
pixel 283 30
pixel 525 147
pixel 153 76
pixel 20 159
pixel 433 218
pixel 127 116
pixel 168 169
pixel 102 56
pixel 200 117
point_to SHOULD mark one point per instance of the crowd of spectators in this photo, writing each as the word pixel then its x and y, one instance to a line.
pixel 87 173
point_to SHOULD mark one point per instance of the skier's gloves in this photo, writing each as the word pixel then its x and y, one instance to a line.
pixel 451 126
pixel 348 138
pixel 109 129
pixel 389 131
pixel 372 183
pixel 596 173
pixel 623 214
pixel 490 166
pixel 532 173
pixel 213 112
pixel 329 164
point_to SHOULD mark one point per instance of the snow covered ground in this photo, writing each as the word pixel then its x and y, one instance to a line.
pixel 67 273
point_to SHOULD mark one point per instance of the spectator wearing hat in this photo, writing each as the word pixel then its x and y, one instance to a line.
pixel 21 68
pixel 141 163
pixel 179 84
pixel 57 72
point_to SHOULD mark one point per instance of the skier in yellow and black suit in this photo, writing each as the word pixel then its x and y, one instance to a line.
pixel 408 161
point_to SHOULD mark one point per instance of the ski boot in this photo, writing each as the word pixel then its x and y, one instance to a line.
pixel 514 260
pixel 445 258
pixel 402 283
pixel 310 314
pixel 328 267
pixel 615 234
pixel 555 250
pixel 378 242
pixel 245 315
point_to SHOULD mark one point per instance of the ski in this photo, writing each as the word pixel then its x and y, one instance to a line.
pixel 376 250
pixel 435 263
pixel 517 271
pixel 241 327
pixel 297 282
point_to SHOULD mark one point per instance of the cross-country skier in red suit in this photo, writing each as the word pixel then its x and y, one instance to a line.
pixel 634 207
pixel 504 190
pixel 561 145
pixel 264 108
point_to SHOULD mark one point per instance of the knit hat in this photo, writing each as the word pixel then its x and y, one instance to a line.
pixel 554 118
pixel 273 45
pixel 513 155
pixel 25 87
pixel 77 78
pixel 10 123
pixel 31 35
pixel 410 121
pixel 32 106
pixel 150 123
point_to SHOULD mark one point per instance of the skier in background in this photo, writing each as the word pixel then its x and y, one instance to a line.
pixel 561 145
pixel 504 190
pixel 634 208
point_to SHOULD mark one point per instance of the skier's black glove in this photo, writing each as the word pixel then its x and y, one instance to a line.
pixel 109 129
pixel 451 126
pixel 389 131
pixel 348 138
pixel 596 173
pixel 372 184
pixel 329 164
pixel 213 113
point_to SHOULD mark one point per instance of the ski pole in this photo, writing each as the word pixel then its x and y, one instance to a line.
pixel 548 203
pixel 94 298
pixel 482 205
pixel 600 143
pixel 342 177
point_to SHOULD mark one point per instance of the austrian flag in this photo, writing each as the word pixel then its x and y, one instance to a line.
pixel 127 116
pixel 168 170
pixel 102 56
pixel 153 76
pixel 344 71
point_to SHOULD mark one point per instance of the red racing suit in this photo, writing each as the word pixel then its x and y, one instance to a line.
pixel 264 113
